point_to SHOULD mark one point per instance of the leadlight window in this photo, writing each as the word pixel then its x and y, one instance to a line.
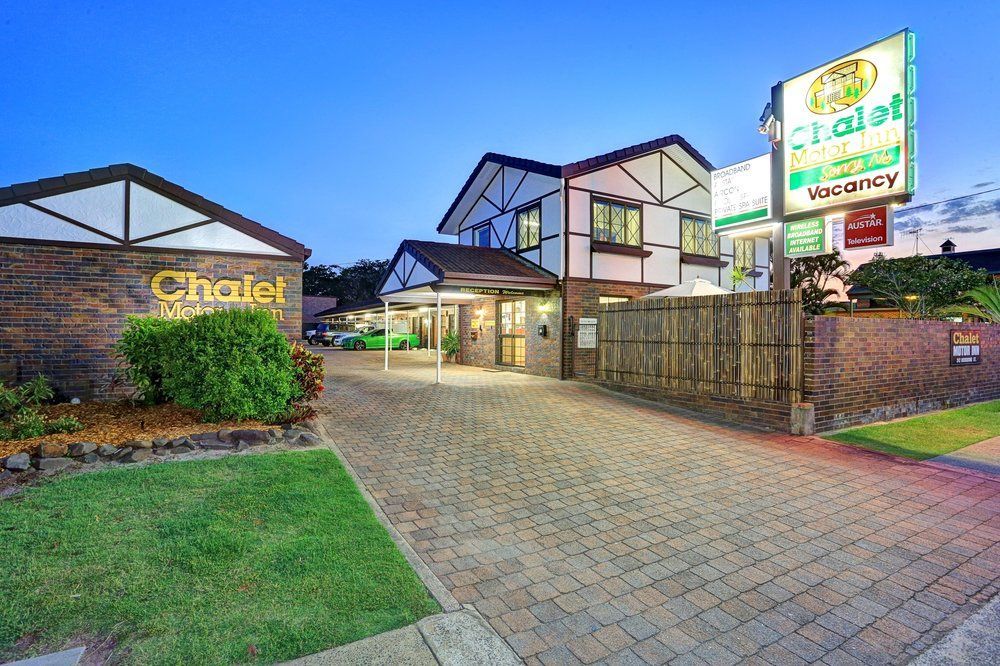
pixel 743 253
pixel 529 227
pixel 617 222
pixel 697 237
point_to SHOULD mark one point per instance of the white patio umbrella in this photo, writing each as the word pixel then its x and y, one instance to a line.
pixel 695 287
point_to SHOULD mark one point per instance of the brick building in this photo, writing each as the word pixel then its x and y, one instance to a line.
pixel 82 251
pixel 608 228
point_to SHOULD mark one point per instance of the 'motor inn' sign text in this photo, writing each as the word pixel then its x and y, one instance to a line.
pixel 849 129
pixel 183 294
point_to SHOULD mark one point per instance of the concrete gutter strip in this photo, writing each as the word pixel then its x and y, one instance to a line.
pixel 69 657
pixel 462 638
pixel 975 641
pixel 432 582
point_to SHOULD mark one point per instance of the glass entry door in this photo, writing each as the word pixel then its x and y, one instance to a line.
pixel 510 333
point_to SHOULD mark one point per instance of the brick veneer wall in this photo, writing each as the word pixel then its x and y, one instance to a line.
pixel 863 370
pixel 62 308
pixel 580 299
pixel 541 354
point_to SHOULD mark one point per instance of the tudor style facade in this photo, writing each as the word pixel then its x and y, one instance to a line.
pixel 82 251
pixel 610 227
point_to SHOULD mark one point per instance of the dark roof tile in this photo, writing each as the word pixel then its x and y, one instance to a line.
pixel 492 261
pixel 576 168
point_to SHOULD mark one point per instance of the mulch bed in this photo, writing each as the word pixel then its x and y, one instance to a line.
pixel 120 422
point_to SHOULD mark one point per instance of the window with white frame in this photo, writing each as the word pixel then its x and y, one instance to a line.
pixel 616 222
pixel 481 236
pixel 697 236
pixel 529 227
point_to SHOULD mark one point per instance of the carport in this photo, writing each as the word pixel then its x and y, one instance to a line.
pixel 429 276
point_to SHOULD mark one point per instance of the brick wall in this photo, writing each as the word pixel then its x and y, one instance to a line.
pixel 541 353
pixel 863 370
pixel 580 299
pixel 62 309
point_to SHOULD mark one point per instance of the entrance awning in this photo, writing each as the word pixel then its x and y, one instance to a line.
pixel 431 273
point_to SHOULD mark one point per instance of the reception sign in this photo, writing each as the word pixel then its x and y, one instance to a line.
pixel 741 194
pixel 848 129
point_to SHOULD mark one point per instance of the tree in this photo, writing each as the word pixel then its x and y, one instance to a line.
pixel 921 287
pixel 813 276
pixel 984 303
pixel 351 284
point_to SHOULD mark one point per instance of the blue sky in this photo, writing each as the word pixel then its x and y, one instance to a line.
pixel 349 126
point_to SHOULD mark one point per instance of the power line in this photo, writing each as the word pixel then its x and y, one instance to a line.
pixel 935 203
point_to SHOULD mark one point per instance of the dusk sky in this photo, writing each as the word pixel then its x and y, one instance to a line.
pixel 349 126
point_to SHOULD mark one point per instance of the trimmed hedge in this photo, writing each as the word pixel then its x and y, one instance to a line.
pixel 230 364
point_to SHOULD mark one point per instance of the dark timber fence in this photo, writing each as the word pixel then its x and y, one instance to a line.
pixel 733 348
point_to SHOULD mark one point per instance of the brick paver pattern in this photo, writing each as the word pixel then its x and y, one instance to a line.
pixel 592 527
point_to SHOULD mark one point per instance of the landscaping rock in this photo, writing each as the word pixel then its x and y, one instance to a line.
pixel 52 450
pixel 107 450
pixel 82 448
pixel 182 448
pixel 292 436
pixel 5 474
pixel 274 433
pixel 250 436
pixel 18 462
pixel 225 435
pixel 90 458
pixel 52 464
pixel 137 455
pixel 310 439
pixel 215 445
pixel 242 446
pixel 160 442
pixel 140 444
pixel 201 436
pixel 183 441
pixel 122 453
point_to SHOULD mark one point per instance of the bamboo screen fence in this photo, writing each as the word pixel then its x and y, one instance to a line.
pixel 746 345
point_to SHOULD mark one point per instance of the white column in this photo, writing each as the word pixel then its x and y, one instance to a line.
pixel 437 379
pixel 388 335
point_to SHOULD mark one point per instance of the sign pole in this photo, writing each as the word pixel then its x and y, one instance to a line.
pixel 781 267
pixel 388 335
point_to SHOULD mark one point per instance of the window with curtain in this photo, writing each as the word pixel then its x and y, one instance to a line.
pixel 697 236
pixel 616 222
pixel 529 227
pixel 743 253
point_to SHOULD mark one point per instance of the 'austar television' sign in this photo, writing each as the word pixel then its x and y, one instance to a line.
pixel 847 129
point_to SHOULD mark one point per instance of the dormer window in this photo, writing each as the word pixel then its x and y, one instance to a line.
pixel 697 237
pixel 616 222
pixel 529 227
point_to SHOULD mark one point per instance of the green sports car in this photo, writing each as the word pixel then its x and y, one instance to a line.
pixel 376 340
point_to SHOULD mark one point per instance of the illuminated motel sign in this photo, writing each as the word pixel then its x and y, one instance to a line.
pixel 848 130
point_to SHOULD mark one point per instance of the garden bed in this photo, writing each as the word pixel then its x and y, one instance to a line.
pixel 121 422
pixel 252 558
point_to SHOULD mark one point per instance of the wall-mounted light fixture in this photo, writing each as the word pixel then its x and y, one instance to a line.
pixel 545 307
pixel 480 312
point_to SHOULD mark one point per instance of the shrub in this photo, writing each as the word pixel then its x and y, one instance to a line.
pixel 229 364
pixel 142 346
pixel 450 344
pixel 309 373
pixel 19 417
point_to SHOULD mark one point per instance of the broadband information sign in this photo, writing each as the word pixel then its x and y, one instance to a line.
pixel 848 129
pixel 805 238
pixel 741 194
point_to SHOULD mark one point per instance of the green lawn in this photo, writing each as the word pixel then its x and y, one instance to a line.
pixel 202 562
pixel 927 436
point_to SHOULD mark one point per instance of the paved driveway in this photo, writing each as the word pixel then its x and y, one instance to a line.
pixel 587 526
